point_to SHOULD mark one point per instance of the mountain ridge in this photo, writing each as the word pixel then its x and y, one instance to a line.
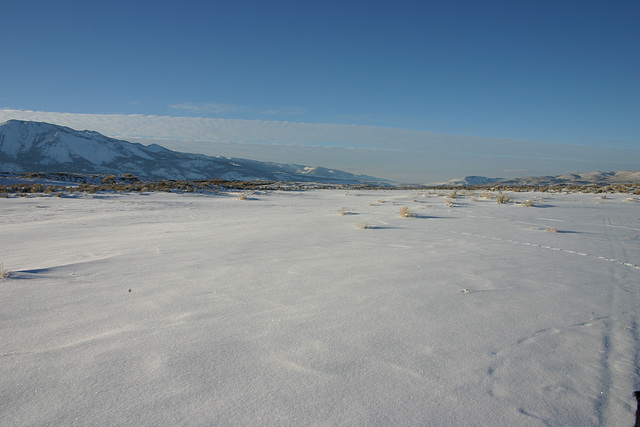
pixel 581 178
pixel 29 146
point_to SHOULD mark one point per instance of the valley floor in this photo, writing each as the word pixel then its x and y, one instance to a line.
pixel 320 307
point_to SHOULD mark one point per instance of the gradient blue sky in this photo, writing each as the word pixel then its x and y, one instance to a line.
pixel 556 73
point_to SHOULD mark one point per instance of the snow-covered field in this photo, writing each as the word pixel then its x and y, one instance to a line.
pixel 190 309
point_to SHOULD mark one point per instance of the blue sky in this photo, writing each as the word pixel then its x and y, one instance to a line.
pixel 535 75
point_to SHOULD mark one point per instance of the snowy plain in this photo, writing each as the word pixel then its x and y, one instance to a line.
pixel 202 309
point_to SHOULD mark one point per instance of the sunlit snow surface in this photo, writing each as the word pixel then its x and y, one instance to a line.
pixel 169 309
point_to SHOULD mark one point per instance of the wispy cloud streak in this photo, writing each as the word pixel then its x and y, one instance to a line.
pixel 206 108
pixel 222 109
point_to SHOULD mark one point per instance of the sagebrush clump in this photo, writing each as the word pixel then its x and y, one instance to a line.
pixel 502 199
pixel 4 273
pixel 487 195
pixel 406 213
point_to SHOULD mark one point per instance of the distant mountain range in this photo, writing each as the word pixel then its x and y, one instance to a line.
pixel 470 180
pixel 27 146
pixel 586 178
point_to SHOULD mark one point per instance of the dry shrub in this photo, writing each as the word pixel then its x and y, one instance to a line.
pixel 406 213
pixel 4 273
pixel 243 196
pixel 363 225
pixel 502 199
pixel 109 179
pixel 551 229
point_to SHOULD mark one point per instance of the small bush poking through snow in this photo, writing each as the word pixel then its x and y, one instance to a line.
pixel 363 225
pixel 4 273
pixel 551 229
pixel 242 196
pixel 502 199
pixel 405 212
pixel 528 203
pixel 341 212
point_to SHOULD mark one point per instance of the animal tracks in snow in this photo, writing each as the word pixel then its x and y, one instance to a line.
pixel 552 248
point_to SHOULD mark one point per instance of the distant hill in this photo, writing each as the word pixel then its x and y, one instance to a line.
pixel 586 178
pixel 470 180
pixel 27 146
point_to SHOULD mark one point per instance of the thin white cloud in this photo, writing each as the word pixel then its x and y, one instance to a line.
pixel 206 108
pixel 281 111
pixel 221 109
pixel 516 171
pixel 401 154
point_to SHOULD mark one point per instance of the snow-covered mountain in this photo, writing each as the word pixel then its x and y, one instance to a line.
pixel 27 146
pixel 584 178
pixel 470 180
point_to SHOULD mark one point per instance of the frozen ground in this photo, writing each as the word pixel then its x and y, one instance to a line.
pixel 167 309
